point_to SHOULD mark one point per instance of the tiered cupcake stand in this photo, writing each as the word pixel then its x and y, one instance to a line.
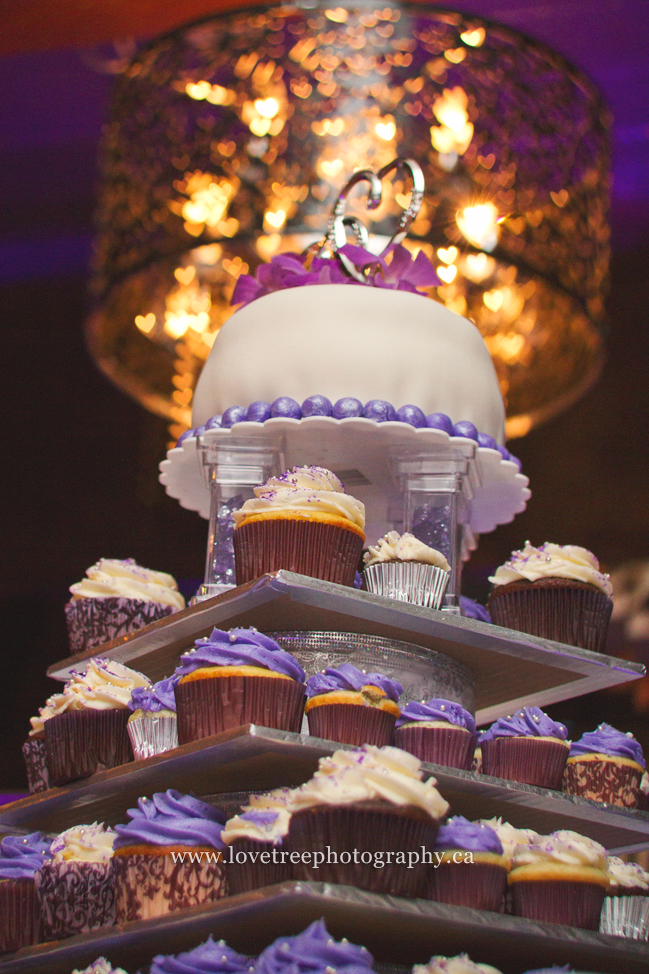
pixel 509 668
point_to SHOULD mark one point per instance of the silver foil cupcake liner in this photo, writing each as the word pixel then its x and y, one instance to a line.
pixel 153 734
pixel 408 581
pixel 625 916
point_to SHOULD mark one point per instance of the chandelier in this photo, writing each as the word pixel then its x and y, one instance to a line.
pixel 228 141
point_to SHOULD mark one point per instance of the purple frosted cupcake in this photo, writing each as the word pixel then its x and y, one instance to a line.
pixel 313 951
pixel 439 731
pixel 470 868
pixel 347 705
pixel 238 677
pixel 607 766
pixel 214 956
pixel 255 841
pixel 21 856
pixel 116 598
pixel 153 725
pixel 153 867
pixel 528 747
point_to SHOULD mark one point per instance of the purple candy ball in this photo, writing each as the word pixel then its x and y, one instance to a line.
pixel 485 440
pixel 286 407
pixel 184 436
pixel 258 412
pixel 214 422
pixel 411 414
pixel 504 452
pixel 466 429
pixel 516 461
pixel 380 411
pixel 235 414
pixel 199 430
pixel 440 421
pixel 317 406
pixel 347 407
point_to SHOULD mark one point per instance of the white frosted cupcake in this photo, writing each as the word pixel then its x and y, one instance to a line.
pixel 260 831
pixel 402 567
pixel 625 912
pixel 100 966
pixel 462 964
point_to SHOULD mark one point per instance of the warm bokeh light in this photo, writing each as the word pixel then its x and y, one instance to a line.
pixel 479 225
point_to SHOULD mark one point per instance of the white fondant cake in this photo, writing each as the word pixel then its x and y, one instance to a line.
pixel 340 340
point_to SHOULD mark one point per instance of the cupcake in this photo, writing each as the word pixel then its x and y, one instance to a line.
pixel 469 867
pixel 554 591
pixel 168 856
pixel 561 878
pixel 75 886
pixel 528 747
pixel 255 842
pixel 403 567
pixel 625 912
pixel 100 966
pixel 607 766
pixel 303 522
pixel 85 725
pixel 153 725
pixel 235 678
pixel 21 856
pixel 510 837
pixel 314 951
pixel 214 956
pixel 462 964
pixel 116 598
pixel 347 705
pixel 439 731
pixel 35 757
pixel 362 821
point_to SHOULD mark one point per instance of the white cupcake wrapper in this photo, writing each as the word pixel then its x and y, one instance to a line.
pixel 153 734
pixel 408 581
pixel 626 916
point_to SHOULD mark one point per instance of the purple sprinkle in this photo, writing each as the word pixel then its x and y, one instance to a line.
pixel 258 412
pixel 286 408
pixel 317 406
pixel 440 421
pixel 412 415
pixel 466 429
pixel 380 411
pixel 347 407
pixel 235 414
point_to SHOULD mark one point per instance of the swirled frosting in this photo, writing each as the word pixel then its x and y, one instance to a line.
pixel 258 824
pixel 277 798
pixel 158 697
pixel 84 843
pixel 171 818
pixel 212 957
pixel 528 722
pixel 240 647
pixel 23 855
pixel 348 677
pixel 388 759
pixel 405 547
pixel 565 847
pixel 437 709
pixel 304 490
pixel 459 833
pixel 629 875
pixel 111 578
pixel 104 685
pixel 510 837
pixel 314 951
pixel 100 966
pixel 553 561
pixel 462 964
pixel 608 740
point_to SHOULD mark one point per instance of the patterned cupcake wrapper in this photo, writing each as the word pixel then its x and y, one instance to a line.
pixel 92 622
pixel 480 885
pixel 253 873
pixel 576 616
pixel 452 747
pixel 307 547
pixel 626 916
pixel 151 886
pixel 81 742
pixel 351 724
pixel 604 781
pixel 216 704
pixel 525 759
pixel 75 897
pixel 35 755
pixel 552 901
pixel 20 914
pixel 153 734
pixel 407 581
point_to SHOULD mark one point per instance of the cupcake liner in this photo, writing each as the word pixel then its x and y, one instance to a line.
pixel 451 746
pixel 81 742
pixel 307 547
pixel 372 827
pixel 476 762
pixel 215 704
pixel 153 885
pixel 408 581
pixel 35 755
pixel 20 914
pixel 553 901
pixel 526 759
pixel 92 622
pixel 554 608
pixel 480 885
pixel 625 916
pixel 75 897
pixel 604 781
pixel 152 734
pixel 351 724
pixel 249 875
